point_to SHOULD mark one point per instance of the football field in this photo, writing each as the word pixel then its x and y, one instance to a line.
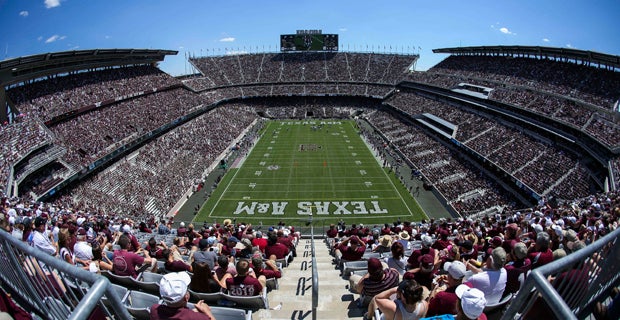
pixel 299 169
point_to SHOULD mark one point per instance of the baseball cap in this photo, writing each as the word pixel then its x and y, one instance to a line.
pixel 374 266
pixel 427 241
pixel 246 242
pixel 81 232
pixel 126 228
pixel 233 239
pixel 496 241
pixel 427 261
pixel 203 243
pixel 182 224
pixel 355 240
pixel 173 286
pixel 472 301
pixel 38 221
pixel 456 269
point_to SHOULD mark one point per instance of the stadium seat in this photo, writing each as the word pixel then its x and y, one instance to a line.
pixel 246 302
pixel 139 304
pixel 148 282
pixel 498 306
pixel 120 291
pixel 125 281
pixel 231 313
pixel 348 267
pixel 209 298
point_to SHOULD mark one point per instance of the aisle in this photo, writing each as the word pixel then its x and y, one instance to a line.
pixel 295 293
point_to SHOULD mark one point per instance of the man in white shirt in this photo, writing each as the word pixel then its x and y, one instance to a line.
pixel 82 249
pixel 41 239
pixel 491 281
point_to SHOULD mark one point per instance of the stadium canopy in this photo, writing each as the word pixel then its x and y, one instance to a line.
pixel 35 66
pixel 590 57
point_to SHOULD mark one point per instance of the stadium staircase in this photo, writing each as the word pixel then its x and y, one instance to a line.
pixel 293 299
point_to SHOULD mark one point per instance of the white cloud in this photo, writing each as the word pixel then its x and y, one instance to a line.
pixel 52 3
pixel 107 37
pixel 545 40
pixel 40 38
pixel 343 30
pixel 568 45
pixel 23 13
pixel 181 47
pixel 55 38
pixel 505 30
pixel 233 52
pixel 227 39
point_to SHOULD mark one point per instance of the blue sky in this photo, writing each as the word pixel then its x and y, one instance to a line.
pixel 214 26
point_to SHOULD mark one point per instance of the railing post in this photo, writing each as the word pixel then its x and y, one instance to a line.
pixel 315 275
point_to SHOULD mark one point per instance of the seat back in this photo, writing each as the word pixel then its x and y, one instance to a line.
pixel 125 281
pixel 139 304
pixel 120 291
pixel 208 298
pixel 247 302
pixel 498 306
pixel 221 313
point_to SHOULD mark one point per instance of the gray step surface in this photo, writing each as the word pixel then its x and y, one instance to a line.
pixel 293 300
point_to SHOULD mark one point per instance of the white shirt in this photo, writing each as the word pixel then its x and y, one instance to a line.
pixel 83 250
pixel 491 282
pixel 43 243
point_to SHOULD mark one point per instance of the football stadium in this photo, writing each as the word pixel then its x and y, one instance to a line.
pixel 311 181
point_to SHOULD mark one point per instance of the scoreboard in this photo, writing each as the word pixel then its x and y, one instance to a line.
pixel 309 42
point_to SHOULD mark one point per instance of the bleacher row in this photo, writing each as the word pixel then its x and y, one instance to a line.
pixel 140 293
pixel 302 67
pixel 552 88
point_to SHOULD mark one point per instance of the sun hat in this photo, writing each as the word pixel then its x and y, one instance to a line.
pixel 472 301
pixel 173 286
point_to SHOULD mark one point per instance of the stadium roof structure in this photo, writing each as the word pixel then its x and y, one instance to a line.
pixel 564 53
pixel 31 67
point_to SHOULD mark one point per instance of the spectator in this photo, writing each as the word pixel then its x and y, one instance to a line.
pixel 173 291
pixel 414 259
pixel 351 249
pixel 83 250
pixel 205 254
pixel 398 260
pixel 259 241
pixel 519 265
pixel 492 280
pixel 124 262
pixel 203 279
pixel 271 272
pixel 274 249
pixel 41 239
pixel 244 283
pixel 173 265
pixel 443 298
pixel 384 245
pixel 539 252
pixel 409 303
pixel 470 304
pixel 376 280
pixel 425 273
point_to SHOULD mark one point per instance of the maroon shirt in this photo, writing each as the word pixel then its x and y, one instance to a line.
pixel 540 260
pixel 124 263
pixel 176 266
pixel 278 249
pixel 243 286
pixel 349 254
pixel 443 303
pixel 416 254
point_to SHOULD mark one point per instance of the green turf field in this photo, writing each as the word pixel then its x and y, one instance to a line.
pixel 303 168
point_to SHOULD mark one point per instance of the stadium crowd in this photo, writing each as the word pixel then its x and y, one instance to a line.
pixel 555 89
pixel 53 96
pixel 492 254
pixel 535 163
pixel 168 165
pixel 90 136
pixel 299 67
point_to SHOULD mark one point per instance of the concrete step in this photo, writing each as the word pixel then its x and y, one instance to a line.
pixel 295 293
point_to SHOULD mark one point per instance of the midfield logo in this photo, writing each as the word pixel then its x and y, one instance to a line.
pixel 310 208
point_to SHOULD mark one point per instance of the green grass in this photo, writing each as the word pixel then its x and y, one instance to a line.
pixel 338 178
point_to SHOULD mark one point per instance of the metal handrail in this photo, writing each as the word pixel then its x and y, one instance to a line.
pixel 44 283
pixel 597 270
pixel 315 275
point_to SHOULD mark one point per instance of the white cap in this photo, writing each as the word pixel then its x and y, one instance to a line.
pixel 472 301
pixel 456 269
pixel 182 224
pixel 80 220
pixel 126 228
pixel 173 286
